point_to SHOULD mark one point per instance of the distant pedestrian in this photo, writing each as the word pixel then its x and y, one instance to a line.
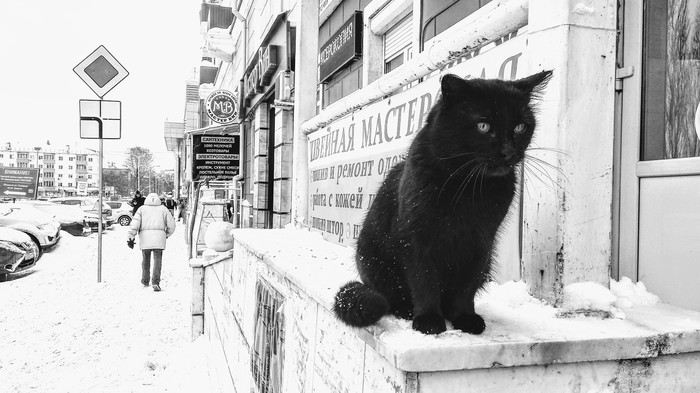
pixel 154 224
pixel 137 201
pixel 170 204
pixel 181 206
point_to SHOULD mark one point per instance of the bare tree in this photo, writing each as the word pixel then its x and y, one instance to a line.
pixel 140 164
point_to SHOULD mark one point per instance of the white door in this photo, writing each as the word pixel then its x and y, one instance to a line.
pixel 659 149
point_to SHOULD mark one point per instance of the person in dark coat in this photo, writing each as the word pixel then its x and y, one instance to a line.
pixel 170 204
pixel 137 201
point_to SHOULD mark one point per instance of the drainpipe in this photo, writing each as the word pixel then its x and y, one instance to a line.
pixel 484 26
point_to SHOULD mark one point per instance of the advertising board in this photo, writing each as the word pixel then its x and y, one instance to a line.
pixel 215 157
pixel 18 182
pixel 349 158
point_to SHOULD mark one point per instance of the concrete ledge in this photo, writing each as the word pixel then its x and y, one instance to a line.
pixel 512 337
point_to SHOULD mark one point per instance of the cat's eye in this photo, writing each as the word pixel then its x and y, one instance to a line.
pixel 520 128
pixel 483 127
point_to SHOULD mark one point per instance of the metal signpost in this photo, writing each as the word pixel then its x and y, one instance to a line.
pixel 100 119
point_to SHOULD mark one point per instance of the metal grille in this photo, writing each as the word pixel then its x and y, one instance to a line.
pixel 267 353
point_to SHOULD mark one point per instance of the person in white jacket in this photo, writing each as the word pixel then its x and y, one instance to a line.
pixel 153 223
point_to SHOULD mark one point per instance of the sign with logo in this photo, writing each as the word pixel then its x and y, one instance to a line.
pixel 261 75
pixel 343 47
pixel 349 158
pixel 215 157
pixel 222 106
pixel 100 119
pixel 101 71
pixel 18 182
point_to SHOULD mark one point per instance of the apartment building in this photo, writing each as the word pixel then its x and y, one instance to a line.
pixel 62 172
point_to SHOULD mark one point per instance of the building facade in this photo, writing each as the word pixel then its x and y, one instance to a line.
pixel 618 135
pixel 304 85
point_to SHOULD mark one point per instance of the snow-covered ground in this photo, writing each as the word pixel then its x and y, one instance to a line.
pixel 61 331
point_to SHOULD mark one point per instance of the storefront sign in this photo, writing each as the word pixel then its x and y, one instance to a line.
pixel 349 158
pixel 343 47
pixel 18 182
pixel 222 106
pixel 261 75
pixel 82 188
pixel 215 157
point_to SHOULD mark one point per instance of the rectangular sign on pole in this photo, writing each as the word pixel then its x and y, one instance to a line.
pixel 18 182
pixel 215 157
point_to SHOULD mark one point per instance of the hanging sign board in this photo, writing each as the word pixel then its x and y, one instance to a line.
pixel 215 157
pixel 222 106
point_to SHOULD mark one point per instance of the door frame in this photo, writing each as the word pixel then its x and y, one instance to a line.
pixel 628 145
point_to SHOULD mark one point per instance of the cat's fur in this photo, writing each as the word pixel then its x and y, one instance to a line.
pixel 426 244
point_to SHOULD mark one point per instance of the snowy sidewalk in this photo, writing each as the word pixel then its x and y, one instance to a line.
pixel 61 331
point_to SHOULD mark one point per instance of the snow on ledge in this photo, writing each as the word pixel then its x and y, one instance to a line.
pixel 520 330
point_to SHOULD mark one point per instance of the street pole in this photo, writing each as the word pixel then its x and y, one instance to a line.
pixel 99 225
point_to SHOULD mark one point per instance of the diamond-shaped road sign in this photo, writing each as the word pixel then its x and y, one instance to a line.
pixel 101 71
pixel 100 119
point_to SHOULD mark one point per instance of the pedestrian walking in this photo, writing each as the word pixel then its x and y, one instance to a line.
pixel 154 224
pixel 137 201
pixel 170 204
pixel 181 206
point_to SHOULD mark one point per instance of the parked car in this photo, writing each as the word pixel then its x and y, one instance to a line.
pixel 88 204
pixel 17 252
pixel 41 227
pixel 72 218
pixel 122 211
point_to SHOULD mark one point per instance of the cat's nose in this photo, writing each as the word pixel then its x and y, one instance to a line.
pixel 508 153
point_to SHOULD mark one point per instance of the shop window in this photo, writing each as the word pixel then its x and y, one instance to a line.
pixel 267 353
pixel 439 15
pixel 397 44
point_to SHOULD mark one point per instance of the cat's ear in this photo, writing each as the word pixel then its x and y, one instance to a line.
pixel 534 83
pixel 452 86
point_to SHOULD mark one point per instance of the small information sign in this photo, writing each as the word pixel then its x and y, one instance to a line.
pixel 18 182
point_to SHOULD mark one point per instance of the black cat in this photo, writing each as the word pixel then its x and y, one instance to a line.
pixel 426 244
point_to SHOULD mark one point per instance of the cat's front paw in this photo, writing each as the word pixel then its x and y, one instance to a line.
pixel 429 323
pixel 470 323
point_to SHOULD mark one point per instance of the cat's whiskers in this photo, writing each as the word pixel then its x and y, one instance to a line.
pixel 463 186
pixel 550 149
pixel 530 170
pixel 456 155
pixel 452 175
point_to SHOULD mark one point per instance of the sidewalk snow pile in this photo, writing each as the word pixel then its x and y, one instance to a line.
pixel 511 312
pixel 64 332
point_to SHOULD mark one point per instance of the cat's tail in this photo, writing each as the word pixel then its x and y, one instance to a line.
pixel 358 305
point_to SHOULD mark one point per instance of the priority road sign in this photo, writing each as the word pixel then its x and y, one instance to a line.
pixel 100 119
pixel 101 71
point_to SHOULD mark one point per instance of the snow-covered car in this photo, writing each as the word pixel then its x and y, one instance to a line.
pixel 122 211
pixel 72 218
pixel 17 252
pixel 88 204
pixel 41 227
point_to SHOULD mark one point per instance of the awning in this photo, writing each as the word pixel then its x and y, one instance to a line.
pixel 216 129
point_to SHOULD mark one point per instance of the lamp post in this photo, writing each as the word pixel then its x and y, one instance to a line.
pixel 37 149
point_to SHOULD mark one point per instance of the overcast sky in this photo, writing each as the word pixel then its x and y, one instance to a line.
pixel 41 41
